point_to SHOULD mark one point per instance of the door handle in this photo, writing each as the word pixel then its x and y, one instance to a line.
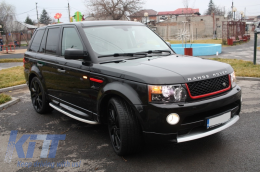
pixel 39 64
pixel 61 70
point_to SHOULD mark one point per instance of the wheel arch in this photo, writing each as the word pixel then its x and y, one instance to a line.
pixel 35 72
pixel 122 91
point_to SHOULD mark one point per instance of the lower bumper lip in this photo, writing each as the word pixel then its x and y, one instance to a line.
pixel 193 135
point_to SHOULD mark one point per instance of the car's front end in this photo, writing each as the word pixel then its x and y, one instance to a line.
pixel 191 110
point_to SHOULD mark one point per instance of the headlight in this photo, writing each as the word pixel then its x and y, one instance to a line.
pixel 233 79
pixel 166 93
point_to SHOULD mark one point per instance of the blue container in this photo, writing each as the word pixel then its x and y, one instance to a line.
pixel 198 49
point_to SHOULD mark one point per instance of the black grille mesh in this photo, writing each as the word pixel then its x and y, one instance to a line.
pixel 208 86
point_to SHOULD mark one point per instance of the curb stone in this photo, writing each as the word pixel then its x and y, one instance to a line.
pixel 248 78
pixel 9 103
pixel 13 88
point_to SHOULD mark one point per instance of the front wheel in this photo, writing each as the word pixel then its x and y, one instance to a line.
pixel 124 130
pixel 38 96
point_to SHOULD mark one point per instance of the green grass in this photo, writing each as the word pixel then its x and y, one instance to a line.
pixel 12 76
pixel 4 98
pixel 241 67
pixel 11 60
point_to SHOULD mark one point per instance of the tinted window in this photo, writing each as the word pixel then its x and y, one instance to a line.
pixel 43 44
pixel 52 41
pixel 37 41
pixel 70 39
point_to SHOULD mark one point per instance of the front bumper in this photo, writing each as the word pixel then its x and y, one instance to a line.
pixel 196 134
pixel 192 124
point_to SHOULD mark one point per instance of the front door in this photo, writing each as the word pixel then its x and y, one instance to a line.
pixel 74 77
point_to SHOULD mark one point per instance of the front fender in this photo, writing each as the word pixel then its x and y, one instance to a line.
pixel 122 90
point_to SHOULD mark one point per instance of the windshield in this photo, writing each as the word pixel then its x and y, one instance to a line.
pixel 123 39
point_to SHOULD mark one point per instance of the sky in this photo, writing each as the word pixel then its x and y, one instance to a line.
pixel 27 7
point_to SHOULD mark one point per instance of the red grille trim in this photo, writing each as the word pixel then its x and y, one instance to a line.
pixel 209 94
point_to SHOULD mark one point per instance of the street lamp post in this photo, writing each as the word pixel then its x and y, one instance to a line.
pixel 234 10
pixel 146 15
pixel 242 15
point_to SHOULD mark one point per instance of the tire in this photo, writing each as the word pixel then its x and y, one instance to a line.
pixel 124 130
pixel 38 97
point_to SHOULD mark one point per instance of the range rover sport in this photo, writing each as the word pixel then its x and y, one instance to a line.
pixel 125 76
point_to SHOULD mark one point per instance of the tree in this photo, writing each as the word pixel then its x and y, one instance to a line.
pixel 212 8
pixel 7 17
pixel 44 19
pixel 113 9
pixel 28 20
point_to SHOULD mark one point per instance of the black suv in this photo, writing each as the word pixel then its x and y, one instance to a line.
pixel 124 75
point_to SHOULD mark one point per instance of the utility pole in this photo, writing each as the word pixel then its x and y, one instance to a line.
pixel 37 14
pixel 232 10
pixel 69 10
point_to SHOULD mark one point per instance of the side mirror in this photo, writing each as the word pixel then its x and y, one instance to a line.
pixel 72 53
pixel 169 43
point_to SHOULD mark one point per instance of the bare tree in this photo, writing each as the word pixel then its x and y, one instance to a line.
pixel 186 3
pixel 7 17
pixel 113 9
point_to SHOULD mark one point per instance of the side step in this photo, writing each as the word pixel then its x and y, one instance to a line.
pixel 72 116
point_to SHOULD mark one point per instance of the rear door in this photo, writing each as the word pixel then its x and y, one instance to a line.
pixel 47 62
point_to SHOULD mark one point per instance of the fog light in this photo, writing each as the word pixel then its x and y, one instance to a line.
pixel 173 118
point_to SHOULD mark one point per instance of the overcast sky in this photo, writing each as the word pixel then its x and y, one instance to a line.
pixel 27 7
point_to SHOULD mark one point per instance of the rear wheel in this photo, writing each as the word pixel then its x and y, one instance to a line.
pixel 124 130
pixel 38 96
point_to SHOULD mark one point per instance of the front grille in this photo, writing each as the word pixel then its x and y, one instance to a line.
pixel 208 87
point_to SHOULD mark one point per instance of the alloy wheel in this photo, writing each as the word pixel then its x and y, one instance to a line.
pixel 114 129
pixel 36 95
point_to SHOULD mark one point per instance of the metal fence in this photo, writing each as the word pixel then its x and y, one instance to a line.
pixel 21 36
pixel 232 29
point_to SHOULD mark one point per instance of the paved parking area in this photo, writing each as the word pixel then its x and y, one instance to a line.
pixel 234 149
pixel 243 51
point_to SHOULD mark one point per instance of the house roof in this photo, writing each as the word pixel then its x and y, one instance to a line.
pixel 179 11
pixel 141 13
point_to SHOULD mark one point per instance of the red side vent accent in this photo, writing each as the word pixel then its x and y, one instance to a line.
pixel 96 80
pixel 209 94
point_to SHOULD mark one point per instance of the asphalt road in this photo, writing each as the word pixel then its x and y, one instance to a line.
pixel 234 149
pixel 12 56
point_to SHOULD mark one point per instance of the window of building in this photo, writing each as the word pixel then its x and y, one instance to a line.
pixel 217 19
pixel 201 19
pixel 70 39
pixel 52 41
pixel 37 41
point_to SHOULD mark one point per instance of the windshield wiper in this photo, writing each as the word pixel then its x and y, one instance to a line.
pixel 157 51
pixel 124 54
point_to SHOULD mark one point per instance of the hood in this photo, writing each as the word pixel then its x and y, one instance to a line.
pixel 191 68
pixel 164 70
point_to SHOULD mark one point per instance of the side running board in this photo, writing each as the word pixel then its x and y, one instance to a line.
pixel 72 116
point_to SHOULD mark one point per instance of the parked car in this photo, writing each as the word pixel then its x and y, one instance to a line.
pixel 122 74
